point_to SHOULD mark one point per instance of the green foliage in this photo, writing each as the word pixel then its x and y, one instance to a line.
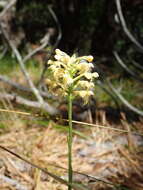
pixel 63 128
pixel 7 64
pixel 131 91
pixel 2 125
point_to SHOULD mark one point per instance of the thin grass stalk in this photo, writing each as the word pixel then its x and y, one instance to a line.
pixel 70 172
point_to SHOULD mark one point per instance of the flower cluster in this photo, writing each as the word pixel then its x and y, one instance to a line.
pixel 71 74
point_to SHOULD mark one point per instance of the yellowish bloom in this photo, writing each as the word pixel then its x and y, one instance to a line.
pixel 95 75
pixel 87 58
pixel 85 84
pixel 90 75
pixel 67 79
pixel 84 67
pixel 61 56
pixel 84 94
pixel 71 73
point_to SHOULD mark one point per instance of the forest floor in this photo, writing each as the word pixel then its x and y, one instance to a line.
pixel 112 156
pixel 106 154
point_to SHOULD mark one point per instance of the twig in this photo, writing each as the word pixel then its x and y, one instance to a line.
pixel 56 43
pixel 3 3
pixel 137 65
pixel 106 90
pixel 124 26
pixel 125 102
pixel 61 180
pixel 58 26
pixel 90 177
pixel 120 61
pixel 23 88
pixel 23 101
pixel 43 104
pixel 23 69
pixel 4 51
pixel 13 182
pixel 7 7
pixel 42 46
pixel 18 56
pixel 73 121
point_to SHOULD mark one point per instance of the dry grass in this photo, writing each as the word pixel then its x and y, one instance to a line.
pixel 109 155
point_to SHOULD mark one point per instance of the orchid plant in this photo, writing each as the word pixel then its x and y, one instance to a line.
pixel 71 77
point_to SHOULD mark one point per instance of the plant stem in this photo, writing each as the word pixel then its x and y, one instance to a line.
pixel 70 140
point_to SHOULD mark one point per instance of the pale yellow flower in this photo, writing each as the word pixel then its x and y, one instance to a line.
pixel 67 79
pixel 71 73
pixel 61 56
pixel 95 75
pixel 87 58
pixel 58 73
pixel 84 94
pixel 90 75
pixel 85 84
pixel 84 67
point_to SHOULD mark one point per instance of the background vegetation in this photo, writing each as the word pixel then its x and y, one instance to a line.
pixel 111 31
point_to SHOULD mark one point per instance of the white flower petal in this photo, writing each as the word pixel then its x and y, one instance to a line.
pixel 95 75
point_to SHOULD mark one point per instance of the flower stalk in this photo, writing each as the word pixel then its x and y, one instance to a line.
pixel 70 173
pixel 71 77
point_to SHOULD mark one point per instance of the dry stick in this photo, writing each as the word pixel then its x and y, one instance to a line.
pixel 35 166
pixel 137 65
pixel 18 56
pixel 43 104
pixel 20 100
pixel 101 126
pixel 23 69
pixel 73 121
pixel 58 25
pixel 18 86
pixel 7 7
pixel 106 90
pixel 56 43
pixel 59 179
pixel 127 104
pixel 3 3
pixel 41 47
pixel 120 61
pixel 124 26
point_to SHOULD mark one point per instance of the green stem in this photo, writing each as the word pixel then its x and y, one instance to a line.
pixel 70 140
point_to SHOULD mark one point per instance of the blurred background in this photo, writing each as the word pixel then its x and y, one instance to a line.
pixel 111 31
pixel 31 119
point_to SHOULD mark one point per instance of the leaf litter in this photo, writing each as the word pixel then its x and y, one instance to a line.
pixel 108 155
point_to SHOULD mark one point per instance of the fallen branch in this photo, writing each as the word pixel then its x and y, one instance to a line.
pixel 124 26
pixel 19 100
pixel 106 90
pixel 22 66
pixel 51 110
pixel 41 47
pixel 19 58
pixel 124 101
pixel 57 178
pixel 137 65
pixel 24 88
pixel 120 61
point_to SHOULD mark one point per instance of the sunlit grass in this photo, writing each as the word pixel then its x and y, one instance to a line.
pixel 130 90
